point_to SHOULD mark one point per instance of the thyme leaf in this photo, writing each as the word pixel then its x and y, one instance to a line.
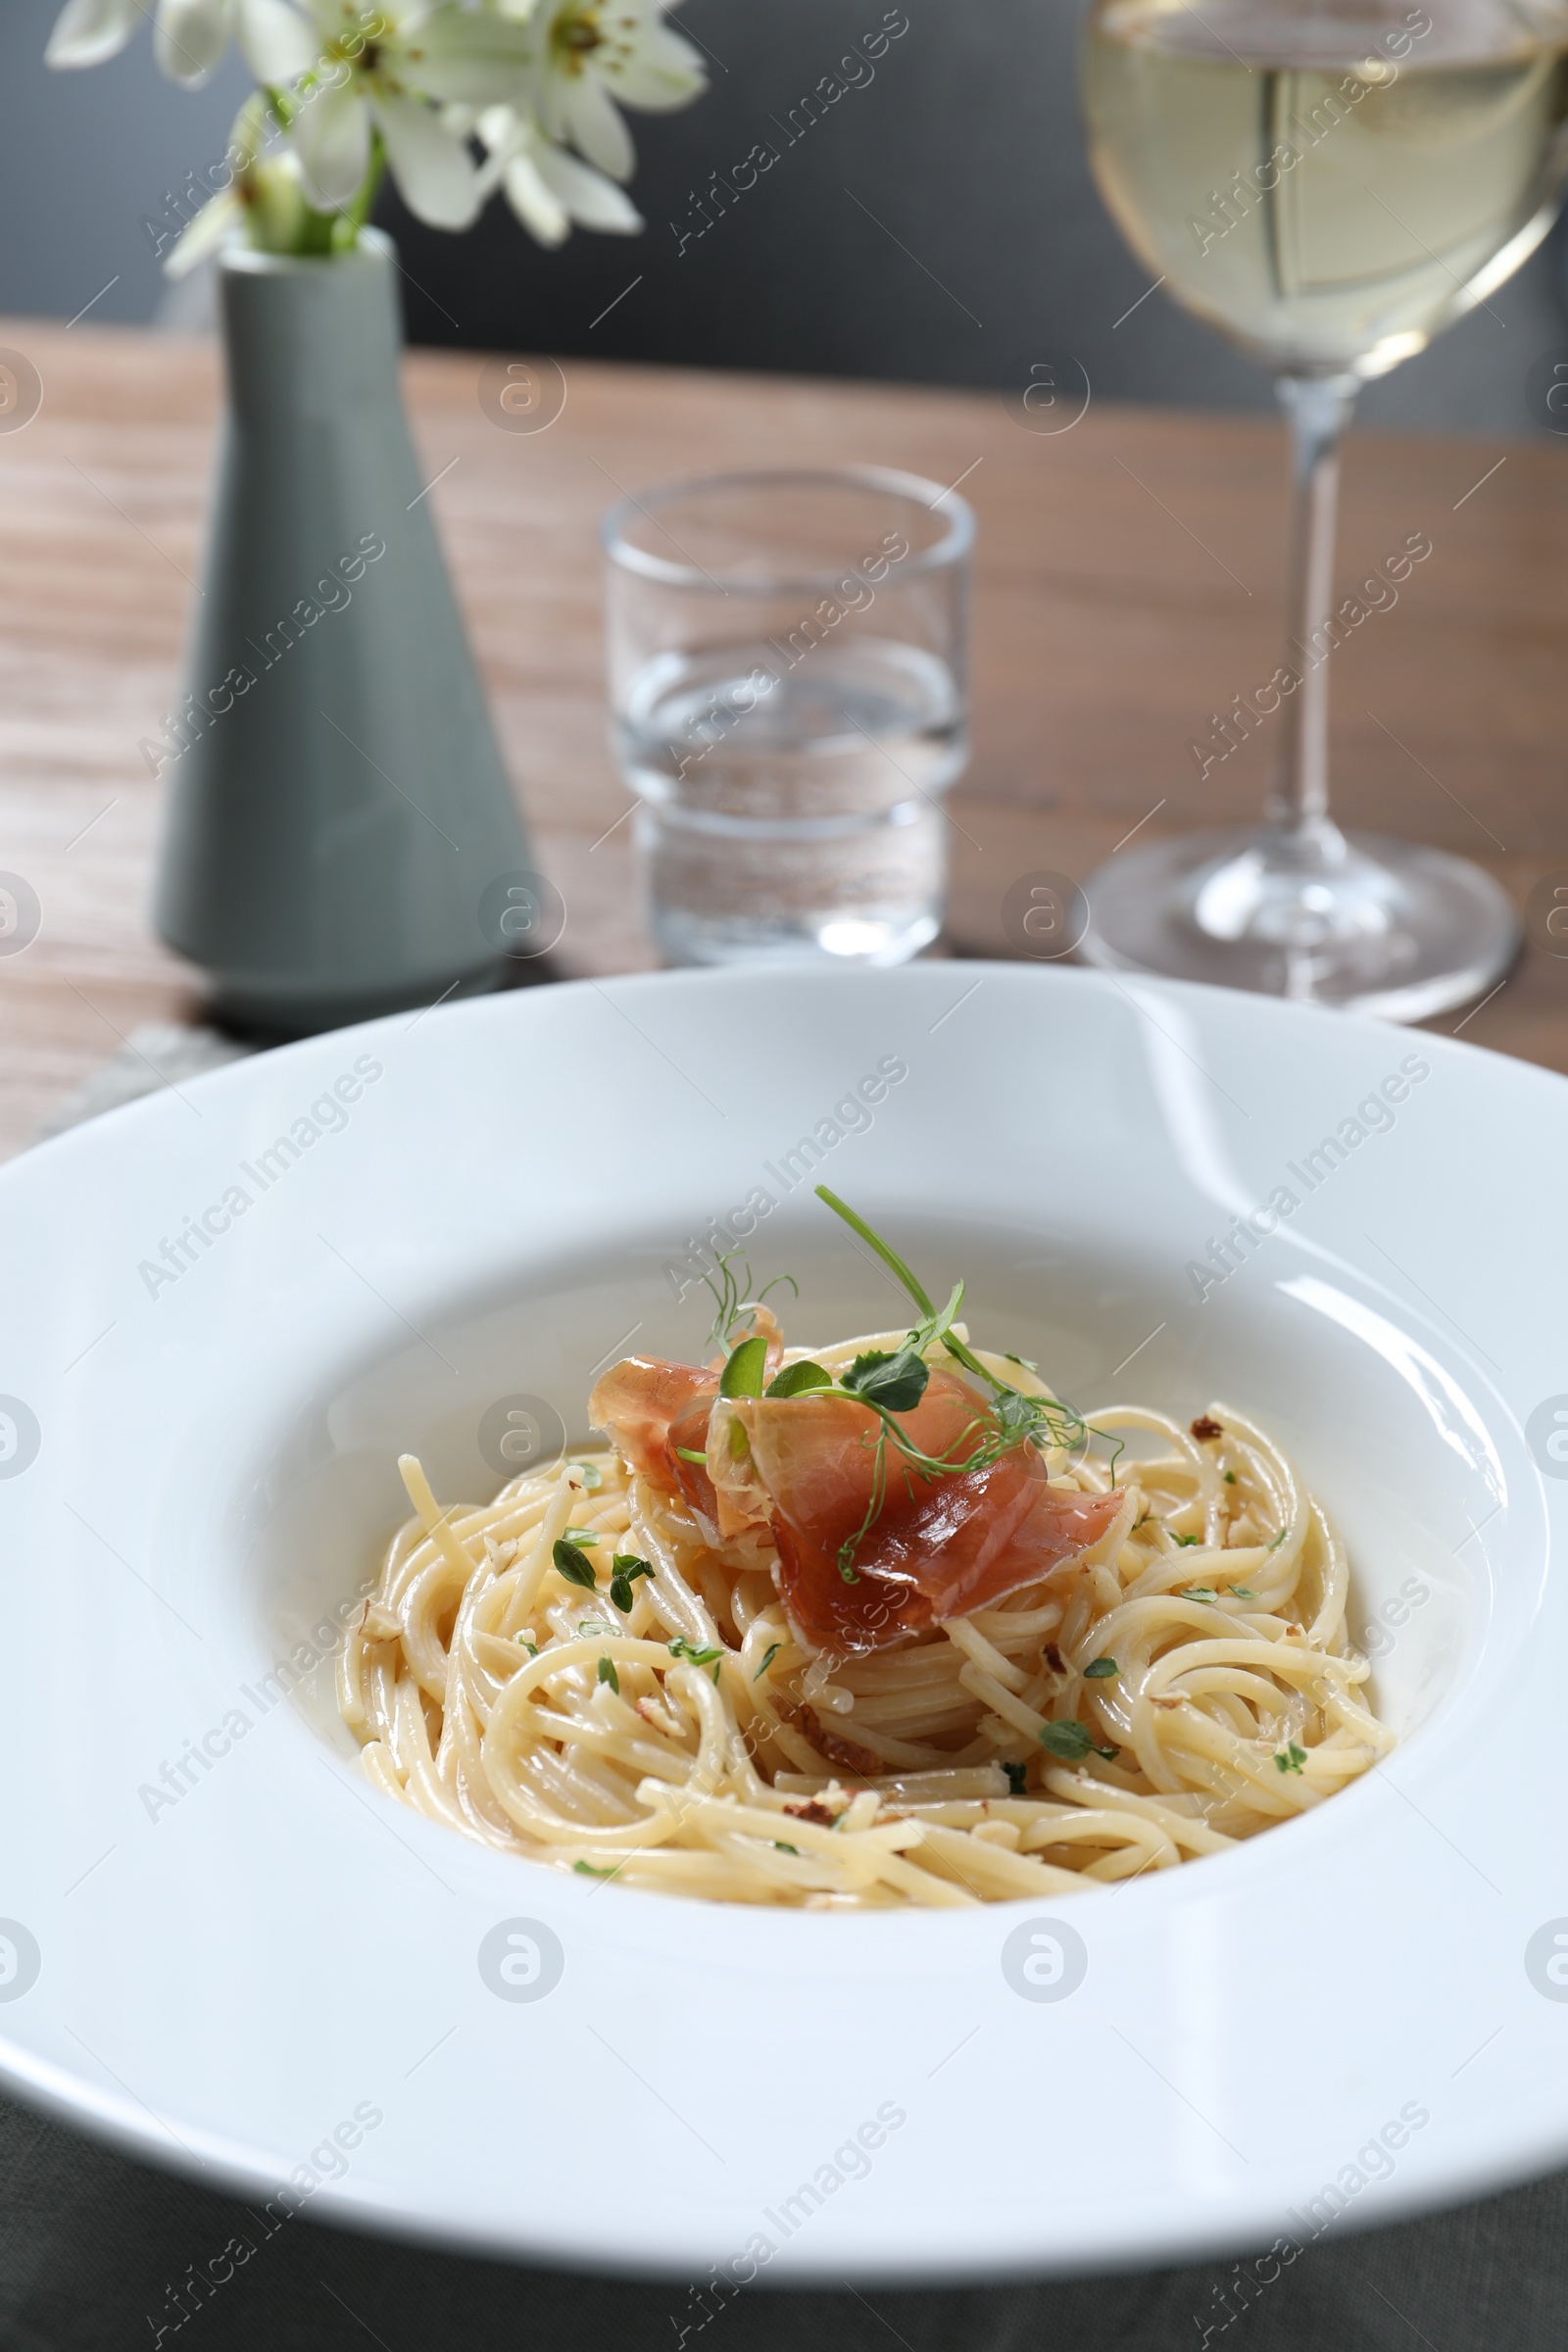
pixel 573 1565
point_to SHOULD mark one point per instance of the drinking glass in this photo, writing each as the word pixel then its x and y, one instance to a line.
pixel 1329 183
pixel 787 688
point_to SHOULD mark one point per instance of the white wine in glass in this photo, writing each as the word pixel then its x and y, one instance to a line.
pixel 1330 186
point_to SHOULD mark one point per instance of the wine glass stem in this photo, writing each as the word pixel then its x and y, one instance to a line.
pixel 1318 409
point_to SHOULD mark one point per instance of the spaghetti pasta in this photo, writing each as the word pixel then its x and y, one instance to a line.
pixel 587 1671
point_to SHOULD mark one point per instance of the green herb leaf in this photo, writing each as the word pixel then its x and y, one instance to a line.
pixel 1279 1538
pixel 1291 1759
pixel 1241 1592
pixel 799 1380
pixel 571 1564
pixel 1198 1592
pixel 742 1375
pixel 681 1648
pixel 1069 1741
pixel 625 1569
pixel 1187 1539
pixel 591 1475
pixel 593 1625
pixel 768 1655
pixel 1017 1774
pixel 1098 1670
pixel 689 1453
pixel 589 1872
pixel 529 1646
pixel 1109 1753
pixel 785 1850
pixel 582 1535
pixel 895 1383
pixel 1230 1478
pixel 608 1674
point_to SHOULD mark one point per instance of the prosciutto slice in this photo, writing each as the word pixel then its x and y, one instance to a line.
pixel 939 1547
pixel 805 1467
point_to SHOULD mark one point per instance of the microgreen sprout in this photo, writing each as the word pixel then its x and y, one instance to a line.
pixel 893 1382
pixel 730 1294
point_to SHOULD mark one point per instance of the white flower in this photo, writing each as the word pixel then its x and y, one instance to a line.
pixel 592 52
pixel 379 67
pixel 189 36
pixel 546 187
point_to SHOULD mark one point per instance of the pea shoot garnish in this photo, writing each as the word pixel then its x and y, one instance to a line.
pixel 573 1565
pixel 893 1381
pixel 624 1570
pixel 1099 1670
pixel 608 1674
pixel 1290 1758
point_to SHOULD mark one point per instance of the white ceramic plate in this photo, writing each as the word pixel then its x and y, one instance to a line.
pixel 238 1980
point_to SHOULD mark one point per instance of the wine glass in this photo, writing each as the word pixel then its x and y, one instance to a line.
pixel 1329 182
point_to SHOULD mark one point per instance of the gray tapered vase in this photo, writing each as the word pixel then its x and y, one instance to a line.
pixel 339 806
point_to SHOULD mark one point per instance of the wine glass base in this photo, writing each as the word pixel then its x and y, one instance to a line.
pixel 1357 921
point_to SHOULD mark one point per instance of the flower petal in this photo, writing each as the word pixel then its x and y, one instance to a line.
pixel 435 176
pixel 212 227
pixel 456 53
pixel 278 43
pixel 587 195
pixel 189 39
pixel 331 135
pixel 656 70
pixel 86 31
pixel 542 214
pixel 596 127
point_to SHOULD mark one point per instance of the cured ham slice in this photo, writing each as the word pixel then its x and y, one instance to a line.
pixel 805 1467
pixel 940 1546
pixel 657 1415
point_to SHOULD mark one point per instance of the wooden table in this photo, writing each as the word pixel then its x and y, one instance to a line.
pixel 1129 576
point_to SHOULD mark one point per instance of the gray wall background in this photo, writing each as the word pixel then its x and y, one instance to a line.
pixel 939 225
